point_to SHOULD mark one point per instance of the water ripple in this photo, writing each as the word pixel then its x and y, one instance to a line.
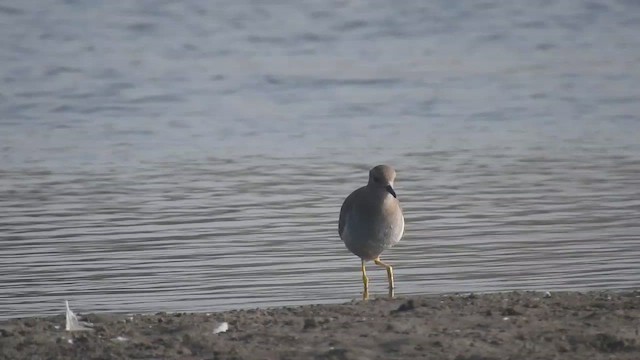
pixel 194 156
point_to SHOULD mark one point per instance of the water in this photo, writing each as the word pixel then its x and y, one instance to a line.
pixel 161 156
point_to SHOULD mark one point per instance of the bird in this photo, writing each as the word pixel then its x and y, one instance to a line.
pixel 371 221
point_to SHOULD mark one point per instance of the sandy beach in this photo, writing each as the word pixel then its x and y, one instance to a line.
pixel 515 325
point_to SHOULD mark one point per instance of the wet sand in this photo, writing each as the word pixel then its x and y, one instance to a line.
pixel 516 325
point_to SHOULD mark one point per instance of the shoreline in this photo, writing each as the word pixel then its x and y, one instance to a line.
pixel 528 325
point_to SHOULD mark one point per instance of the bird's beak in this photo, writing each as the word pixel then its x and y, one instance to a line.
pixel 389 188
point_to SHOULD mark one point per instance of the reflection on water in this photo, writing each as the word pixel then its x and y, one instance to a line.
pixel 195 157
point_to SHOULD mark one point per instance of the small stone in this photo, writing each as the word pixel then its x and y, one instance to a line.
pixel 510 312
pixel 310 323
pixel 406 306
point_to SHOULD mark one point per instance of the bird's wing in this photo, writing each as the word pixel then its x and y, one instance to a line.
pixel 347 205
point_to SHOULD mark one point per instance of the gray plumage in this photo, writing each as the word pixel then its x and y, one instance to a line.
pixel 371 219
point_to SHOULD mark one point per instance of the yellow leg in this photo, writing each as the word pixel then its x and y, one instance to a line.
pixel 365 280
pixel 389 274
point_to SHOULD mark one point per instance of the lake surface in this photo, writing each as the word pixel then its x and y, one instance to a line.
pixel 165 156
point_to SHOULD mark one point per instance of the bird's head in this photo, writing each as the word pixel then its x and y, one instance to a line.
pixel 383 176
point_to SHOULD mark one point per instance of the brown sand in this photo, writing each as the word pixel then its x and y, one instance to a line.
pixel 518 325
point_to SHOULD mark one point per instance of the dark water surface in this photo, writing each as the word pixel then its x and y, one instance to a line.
pixel 166 156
